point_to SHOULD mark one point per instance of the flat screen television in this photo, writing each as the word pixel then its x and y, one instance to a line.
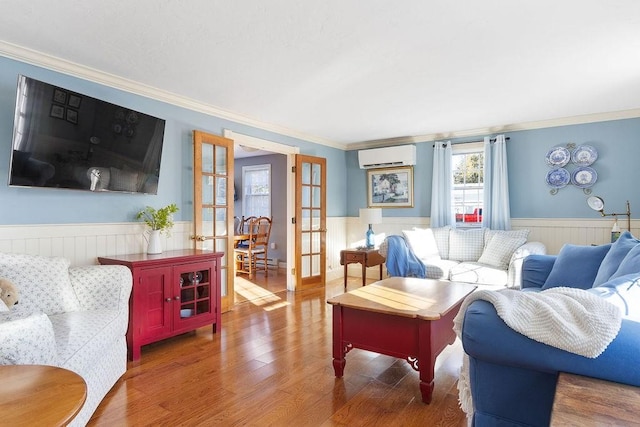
pixel 64 139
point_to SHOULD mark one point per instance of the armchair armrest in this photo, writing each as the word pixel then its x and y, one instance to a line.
pixel 102 286
pixel 26 339
pixel 515 273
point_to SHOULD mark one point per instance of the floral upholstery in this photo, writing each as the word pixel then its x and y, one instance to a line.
pixel 75 318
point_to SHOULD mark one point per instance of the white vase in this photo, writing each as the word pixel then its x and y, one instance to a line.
pixel 155 245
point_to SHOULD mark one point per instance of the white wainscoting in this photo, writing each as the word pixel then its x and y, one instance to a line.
pixel 81 244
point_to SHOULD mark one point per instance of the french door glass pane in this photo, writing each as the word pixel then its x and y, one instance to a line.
pixel 207 158
pixel 221 160
pixel 207 190
pixel 306 173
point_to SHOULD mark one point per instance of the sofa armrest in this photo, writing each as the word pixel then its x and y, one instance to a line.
pixel 27 339
pixel 102 286
pixel 535 270
pixel 505 363
pixel 515 264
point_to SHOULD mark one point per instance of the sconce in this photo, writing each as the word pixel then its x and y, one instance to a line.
pixel 597 204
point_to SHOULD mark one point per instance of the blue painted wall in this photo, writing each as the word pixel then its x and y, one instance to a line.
pixel 54 206
pixel 618 168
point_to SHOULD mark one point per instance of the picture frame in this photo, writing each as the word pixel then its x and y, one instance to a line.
pixel 57 111
pixel 72 116
pixel 74 100
pixel 390 187
pixel 59 96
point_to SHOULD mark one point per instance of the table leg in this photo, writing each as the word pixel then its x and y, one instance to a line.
pixel 364 273
pixel 338 347
pixel 427 353
pixel 380 271
pixel 345 276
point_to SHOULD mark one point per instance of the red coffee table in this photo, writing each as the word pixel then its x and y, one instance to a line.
pixel 401 317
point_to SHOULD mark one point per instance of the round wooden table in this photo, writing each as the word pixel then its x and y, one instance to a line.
pixel 40 395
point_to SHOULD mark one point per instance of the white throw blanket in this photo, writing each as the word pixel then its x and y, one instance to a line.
pixel 570 319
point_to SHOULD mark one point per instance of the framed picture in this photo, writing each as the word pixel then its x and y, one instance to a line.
pixel 390 187
pixel 74 100
pixel 59 96
pixel 57 111
pixel 72 116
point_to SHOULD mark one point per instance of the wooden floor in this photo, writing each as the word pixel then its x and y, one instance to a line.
pixel 271 365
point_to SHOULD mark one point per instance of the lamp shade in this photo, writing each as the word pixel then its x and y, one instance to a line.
pixel 371 215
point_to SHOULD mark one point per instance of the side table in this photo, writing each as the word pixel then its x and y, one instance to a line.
pixel 583 401
pixel 365 257
pixel 40 395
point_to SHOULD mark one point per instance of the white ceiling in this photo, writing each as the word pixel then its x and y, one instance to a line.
pixel 346 71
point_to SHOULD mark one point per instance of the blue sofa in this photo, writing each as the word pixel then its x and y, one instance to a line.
pixel 513 378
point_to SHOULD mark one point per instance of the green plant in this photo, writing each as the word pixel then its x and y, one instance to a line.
pixel 158 219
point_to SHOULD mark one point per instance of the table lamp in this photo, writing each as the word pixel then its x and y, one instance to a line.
pixel 371 216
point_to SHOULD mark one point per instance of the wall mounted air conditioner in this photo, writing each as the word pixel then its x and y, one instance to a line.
pixel 387 157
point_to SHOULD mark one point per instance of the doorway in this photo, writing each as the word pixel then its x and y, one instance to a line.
pixel 248 151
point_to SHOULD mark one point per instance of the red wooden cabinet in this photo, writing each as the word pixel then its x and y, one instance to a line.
pixel 173 293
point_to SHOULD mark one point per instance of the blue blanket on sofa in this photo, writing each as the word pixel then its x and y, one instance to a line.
pixel 401 261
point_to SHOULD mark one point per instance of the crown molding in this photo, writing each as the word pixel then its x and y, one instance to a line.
pixel 565 121
pixel 53 63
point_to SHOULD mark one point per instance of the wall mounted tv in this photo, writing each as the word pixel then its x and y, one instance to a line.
pixel 64 139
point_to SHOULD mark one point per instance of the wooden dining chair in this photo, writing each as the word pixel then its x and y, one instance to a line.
pixel 254 257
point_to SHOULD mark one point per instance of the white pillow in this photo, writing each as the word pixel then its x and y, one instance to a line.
pixel 44 282
pixel 511 233
pixel 466 245
pixel 500 249
pixel 422 243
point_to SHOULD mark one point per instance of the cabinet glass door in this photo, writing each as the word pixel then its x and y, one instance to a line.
pixel 213 204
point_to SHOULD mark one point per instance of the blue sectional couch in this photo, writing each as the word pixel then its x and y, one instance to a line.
pixel 513 378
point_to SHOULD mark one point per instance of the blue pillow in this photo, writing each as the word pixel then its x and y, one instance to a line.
pixel 576 266
pixel 614 257
pixel 630 263
pixel 623 291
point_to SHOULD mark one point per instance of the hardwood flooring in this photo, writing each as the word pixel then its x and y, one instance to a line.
pixel 271 365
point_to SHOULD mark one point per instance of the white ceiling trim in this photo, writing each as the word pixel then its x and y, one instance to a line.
pixel 40 59
pixel 565 121
pixel 66 67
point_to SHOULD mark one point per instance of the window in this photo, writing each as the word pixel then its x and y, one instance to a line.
pixel 256 185
pixel 467 164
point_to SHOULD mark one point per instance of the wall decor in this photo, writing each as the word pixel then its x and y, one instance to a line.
pixel 74 100
pixel 57 111
pixel 390 187
pixel 72 116
pixel 571 165
pixel 59 96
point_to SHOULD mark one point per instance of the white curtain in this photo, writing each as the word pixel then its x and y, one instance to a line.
pixel 442 185
pixel 496 214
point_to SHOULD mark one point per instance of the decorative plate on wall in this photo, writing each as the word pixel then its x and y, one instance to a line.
pixel 558 157
pixel 584 177
pixel 584 155
pixel 558 177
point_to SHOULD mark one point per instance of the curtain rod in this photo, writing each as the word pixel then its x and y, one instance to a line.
pixel 444 144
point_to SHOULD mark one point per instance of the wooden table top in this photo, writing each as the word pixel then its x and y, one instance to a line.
pixel 426 299
pixel 39 395
pixel 590 402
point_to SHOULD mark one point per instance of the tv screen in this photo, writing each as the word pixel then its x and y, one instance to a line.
pixel 64 139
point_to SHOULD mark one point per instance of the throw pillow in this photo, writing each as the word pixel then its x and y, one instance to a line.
pixel 422 243
pixel 488 235
pixel 441 234
pixel 466 245
pixel 576 266
pixel 500 249
pixel 630 263
pixel 623 291
pixel 614 257
pixel 44 282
